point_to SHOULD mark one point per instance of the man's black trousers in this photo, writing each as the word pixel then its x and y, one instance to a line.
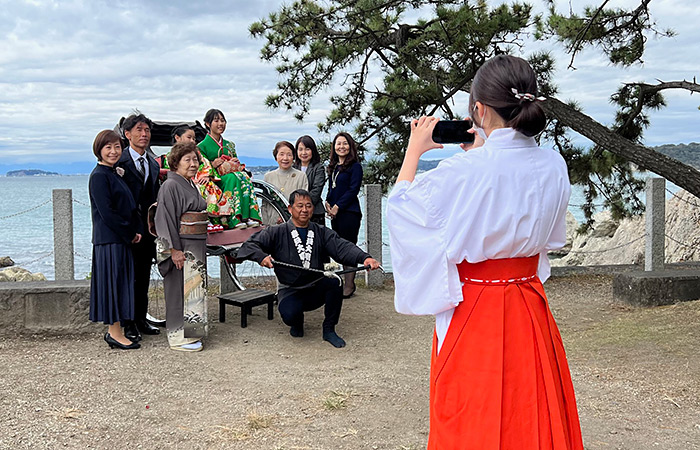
pixel 143 253
pixel 294 302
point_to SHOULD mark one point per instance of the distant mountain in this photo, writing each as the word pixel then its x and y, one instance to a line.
pixel 30 173
pixel 60 168
pixel 429 164
pixel 687 153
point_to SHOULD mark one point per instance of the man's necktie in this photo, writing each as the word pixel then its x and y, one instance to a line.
pixel 142 163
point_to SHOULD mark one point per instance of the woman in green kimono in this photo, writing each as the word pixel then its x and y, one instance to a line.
pixel 234 182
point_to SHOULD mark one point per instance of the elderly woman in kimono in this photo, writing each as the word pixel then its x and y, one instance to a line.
pixel 469 243
pixel 181 227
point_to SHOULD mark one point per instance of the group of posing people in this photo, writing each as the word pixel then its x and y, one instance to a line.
pixel 206 187
pixel 300 167
pixel 123 186
pixel 469 243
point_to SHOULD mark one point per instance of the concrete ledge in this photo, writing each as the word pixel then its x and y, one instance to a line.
pixel 612 269
pixel 657 288
pixel 567 271
pixel 62 307
pixel 46 306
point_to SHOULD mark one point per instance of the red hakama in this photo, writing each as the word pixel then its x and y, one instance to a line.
pixel 501 380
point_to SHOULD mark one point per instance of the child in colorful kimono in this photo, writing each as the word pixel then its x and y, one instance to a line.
pixel 228 173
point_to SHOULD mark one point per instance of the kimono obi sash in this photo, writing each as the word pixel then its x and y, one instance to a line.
pixel 193 222
pixel 499 271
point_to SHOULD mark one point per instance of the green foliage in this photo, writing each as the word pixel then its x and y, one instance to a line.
pixel 390 71
pixel 632 101
pixel 621 34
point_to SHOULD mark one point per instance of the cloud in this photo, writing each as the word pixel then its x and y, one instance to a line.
pixel 71 68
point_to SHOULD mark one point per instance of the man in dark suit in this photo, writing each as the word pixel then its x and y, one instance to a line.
pixel 141 175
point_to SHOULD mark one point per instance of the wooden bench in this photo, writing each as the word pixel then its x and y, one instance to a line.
pixel 246 299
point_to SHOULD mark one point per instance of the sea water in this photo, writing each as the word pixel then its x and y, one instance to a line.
pixel 26 229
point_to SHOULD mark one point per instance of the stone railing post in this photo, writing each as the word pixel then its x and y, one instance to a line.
pixel 63 259
pixel 655 224
pixel 373 230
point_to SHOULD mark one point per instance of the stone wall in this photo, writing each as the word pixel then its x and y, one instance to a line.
pixel 48 306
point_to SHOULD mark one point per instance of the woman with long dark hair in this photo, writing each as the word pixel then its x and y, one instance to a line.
pixel 115 226
pixel 342 202
pixel 308 160
pixel 469 243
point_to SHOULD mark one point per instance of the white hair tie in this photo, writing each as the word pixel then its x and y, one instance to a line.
pixel 528 97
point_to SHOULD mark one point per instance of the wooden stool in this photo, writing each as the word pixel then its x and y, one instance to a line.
pixel 246 300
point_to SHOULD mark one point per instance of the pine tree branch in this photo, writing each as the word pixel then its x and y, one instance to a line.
pixel 673 170
pixel 650 89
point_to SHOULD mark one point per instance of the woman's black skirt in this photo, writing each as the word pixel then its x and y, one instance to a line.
pixel 347 225
pixel 112 284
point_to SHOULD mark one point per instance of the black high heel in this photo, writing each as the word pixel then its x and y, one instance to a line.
pixel 113 343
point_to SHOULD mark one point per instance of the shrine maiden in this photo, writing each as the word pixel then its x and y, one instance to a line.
pixel 469 243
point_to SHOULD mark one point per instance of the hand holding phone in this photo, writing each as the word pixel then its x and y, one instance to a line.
pixel 421 139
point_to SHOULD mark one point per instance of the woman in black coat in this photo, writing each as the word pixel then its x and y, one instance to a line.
pixel 115 226
pixel 342 202
pixel 308 160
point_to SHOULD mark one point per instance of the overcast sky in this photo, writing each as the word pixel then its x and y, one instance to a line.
pixel 69 69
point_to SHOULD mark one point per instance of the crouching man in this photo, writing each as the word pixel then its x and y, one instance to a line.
pixel 300 242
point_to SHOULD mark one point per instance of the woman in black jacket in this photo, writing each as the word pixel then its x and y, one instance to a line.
pixel 115 226
pixel 342 202
pixel 308 160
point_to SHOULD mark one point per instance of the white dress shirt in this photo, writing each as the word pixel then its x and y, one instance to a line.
pixel 507 199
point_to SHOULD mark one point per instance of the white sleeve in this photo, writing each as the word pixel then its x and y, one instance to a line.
pixel 425 281
pixel 557 235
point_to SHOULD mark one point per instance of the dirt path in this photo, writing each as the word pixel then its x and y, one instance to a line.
pixel 636 373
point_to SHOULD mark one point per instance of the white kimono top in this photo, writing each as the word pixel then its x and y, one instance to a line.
pixel 507 199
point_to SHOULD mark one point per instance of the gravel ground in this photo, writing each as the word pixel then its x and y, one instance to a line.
pixel 635 371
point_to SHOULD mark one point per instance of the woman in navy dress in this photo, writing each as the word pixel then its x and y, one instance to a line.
pixel 114 229
pixel 342 204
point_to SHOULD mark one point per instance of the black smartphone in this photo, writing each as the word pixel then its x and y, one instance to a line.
pixel 453 132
